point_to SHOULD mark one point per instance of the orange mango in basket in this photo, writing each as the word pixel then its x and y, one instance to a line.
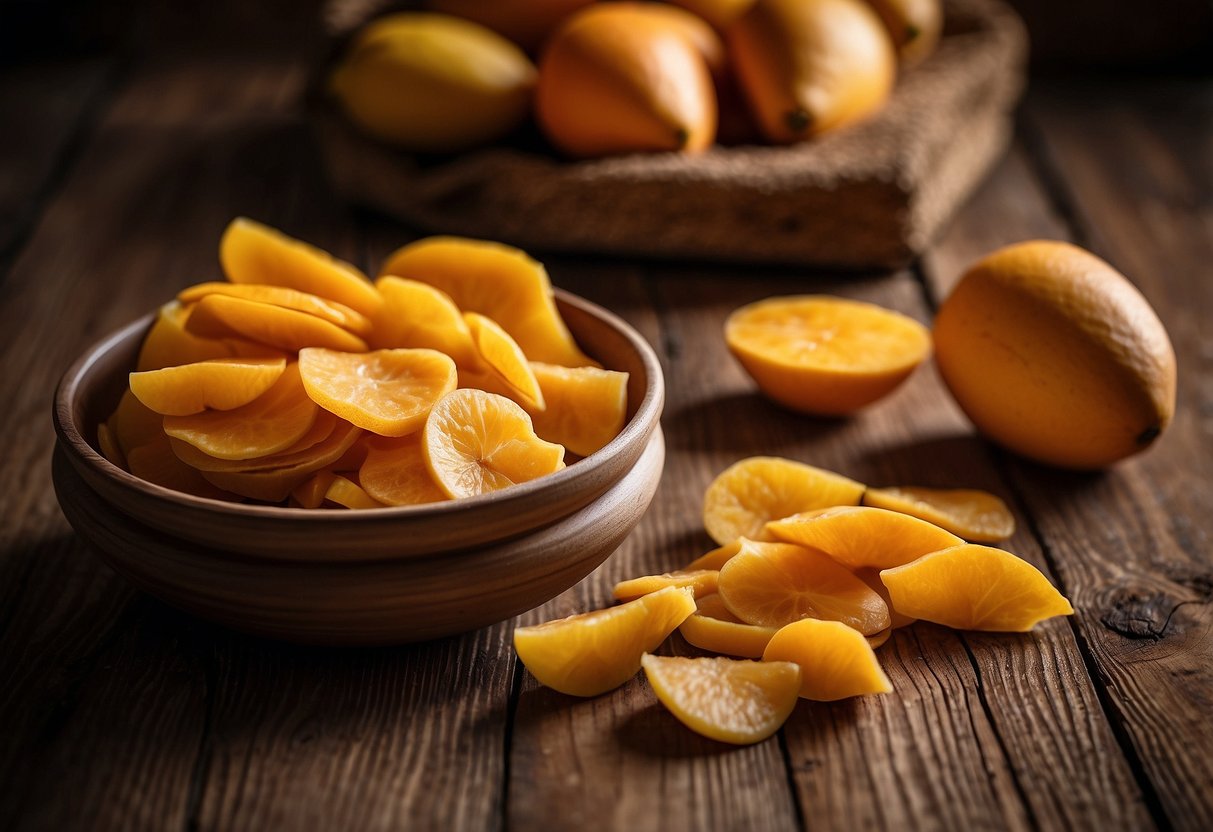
pixel 346 493
pixel 300 450
pixel 504 360
pixel 222 316
pixel 168 343
pixel 417 315
pixel 585 407
pixel 394 472
pixel 335 313
pixel 217 384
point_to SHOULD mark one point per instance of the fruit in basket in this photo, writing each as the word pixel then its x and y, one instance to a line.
pixel 586 407
pixel 219 384
pixel 836 662
pixel 1054 354
pixel 526 22
pixel 433 82
pixel 914 26
pixel 616 78
pixel 809 66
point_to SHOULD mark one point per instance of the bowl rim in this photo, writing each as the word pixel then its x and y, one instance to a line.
pixel 636 431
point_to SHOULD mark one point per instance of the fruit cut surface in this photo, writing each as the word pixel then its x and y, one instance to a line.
pixel 977 516
pixel 217 384
pixel 858 536
pixel 836 662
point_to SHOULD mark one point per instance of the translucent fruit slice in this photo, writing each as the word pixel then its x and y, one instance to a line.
pixel 505 360
pixel 858 536
pixel 218 316
pixel 477 442
pixel 773 584
pixel 275 484
pixel 836 662
pixel 700 582
pixel 591 653
pixel 714 628
pixel 346 493
pixel 168 344
pixel 301 450
pixel 498 281
pixel 156 462
pixel 825 355
pixel 972 587
pixel 310 493
pixel 871 577
pixel 715 559
pixel 730 700
pixel 388 392
pixel 747 494
pixel 254 253
pixel 218 384
pixel 585 407
pixel 335 313
pixel 977 516
pixel 417 315
pixel 395 473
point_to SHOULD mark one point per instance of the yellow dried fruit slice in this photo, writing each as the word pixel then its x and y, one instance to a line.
pixel 858 536
pixel 714 628
pixel 477 442
pixel 972 587
pixel 715 559
pixel 302 449
pixel 310 493
pixel 217 384
pixel 155 462
pixel 168 344
pixel 388 392
pixel 977 516
pixel 585 407
pixel 275 484
pixel 836 662
pixel 133 423
pixel 417 315
pixel 700 582
pixel 217 316
pixel 871 577
pixel 591 653
pixel 349 494
pixel 335 313
pixel 504 359
pixel 731 700
pixel 254 253
pixel 395 473
pixel 773 584
pixel 748 494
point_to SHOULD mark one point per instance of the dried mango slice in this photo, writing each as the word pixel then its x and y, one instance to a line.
pixel 417 315
pixel 715 559
pixel 858 536
pixel 871 577
pixel 591 653
pixel 168 344
pixel 217 384
pixel 700 582
pixel 504 359
pixel 276 484
pixel 972 587
pixel 877 640
pixel 585 407
pixel 773 584
pixel 335 313
pixel 217 316
pixel 749 493
pixel 155 462
pixel 388 392
pixel 714 628
pixel 395 473
pixel 323 427
pixel 310 493
pixel 133 423
pixel 254 253
pixel 349 494
pixel 977 516
pixel 730 700
pixel 835 660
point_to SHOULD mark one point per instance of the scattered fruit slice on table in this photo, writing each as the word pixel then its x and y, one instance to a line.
pixel 218 316
pixel 345 492
pixel 585 407
pixel 300 450
pixel 505 360
pixel 871 577
pixel 417 315
pixel 714 628
pixel 773 584
pixel 858 536
pixel 977 516
pixel 388 392
pixel 591 653
pixel 477 442
pixel 825 355
pixel 735 701
pixel 700 582
pixel 217 384
pixel 748 494
pixel 335 313
pixel 395 473
pixel 972 587
pixel 714 559
pixel 878 639
pixel 276 484
pixel 836 662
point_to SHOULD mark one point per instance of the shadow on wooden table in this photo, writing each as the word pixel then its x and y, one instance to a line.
pixel 744 421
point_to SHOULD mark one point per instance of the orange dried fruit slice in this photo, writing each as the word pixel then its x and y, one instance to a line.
pixel 877 640
pixel 133 423
pixel 504 359
pixel 977 516
pixel 714 628
pixel 417 315
pixel 310 493
pixel 395 473
pixel 275 484
pixel 825 355
pixel 585 407
pixel 477 442
pixel 773 584
pixel 335 313
pixel 836 661
pixel 269 424
pixel 731 700
pixel 302 450
pixel 972 587
pixel 216 384
pixel 168 344
pixel 871 577
pixel 388 392
pixel 751 492
pixel 700 582
pixel 254 253
pixel 496 280
pixel 591 653
pixel 155 462
pixel 715 559
pixel 346 493
pixel 859 536
pixel 217 316
pixel 107 443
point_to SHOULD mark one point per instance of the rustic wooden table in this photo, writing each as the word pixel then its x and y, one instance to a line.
pixel 117 712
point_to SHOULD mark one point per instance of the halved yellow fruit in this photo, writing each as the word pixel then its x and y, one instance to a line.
pixel 417 315
pixel 585 407
pixel 505 360
pixel 836 661
pixel 731 700
pixel 977 516
pixel 275 484
pixel 219 316
pixel 345 492
pixel 335 313
pixel 591 653
pixel 858 536
pixel 714 628
pixel 700 582
pixel 217 384
pixel 394 472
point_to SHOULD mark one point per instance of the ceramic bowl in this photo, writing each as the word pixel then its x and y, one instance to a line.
pixel 377 576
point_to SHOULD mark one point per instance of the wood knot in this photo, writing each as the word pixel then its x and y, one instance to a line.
pixel 1140 616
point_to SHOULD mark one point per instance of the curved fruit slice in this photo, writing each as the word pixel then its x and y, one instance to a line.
pixel 395 473
pixel 349 494
pixel 591 653
pixel 730 700
pixel 585 407
pixel 310 493
pixel 216 316
pixel 496 280
pixel 335 313
pixel 388 392
pixel 977 516
pixel 168 344
pixel 276 484
pixel 269 424
pixel 773 584
pixel 254 253
pixel 858 536
pixel 301 450
pixel 133 423
pixel 505 359
pixel 476 442
pixel 417 315
pixel 217 384
pixel 714 628
pixel 871 577
pixel 836 661
pixel 715 559
pixel 747 494
pixel 155 462
pixel 971 587
pixel 700 582
pixel 877 640
pixel 825 355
